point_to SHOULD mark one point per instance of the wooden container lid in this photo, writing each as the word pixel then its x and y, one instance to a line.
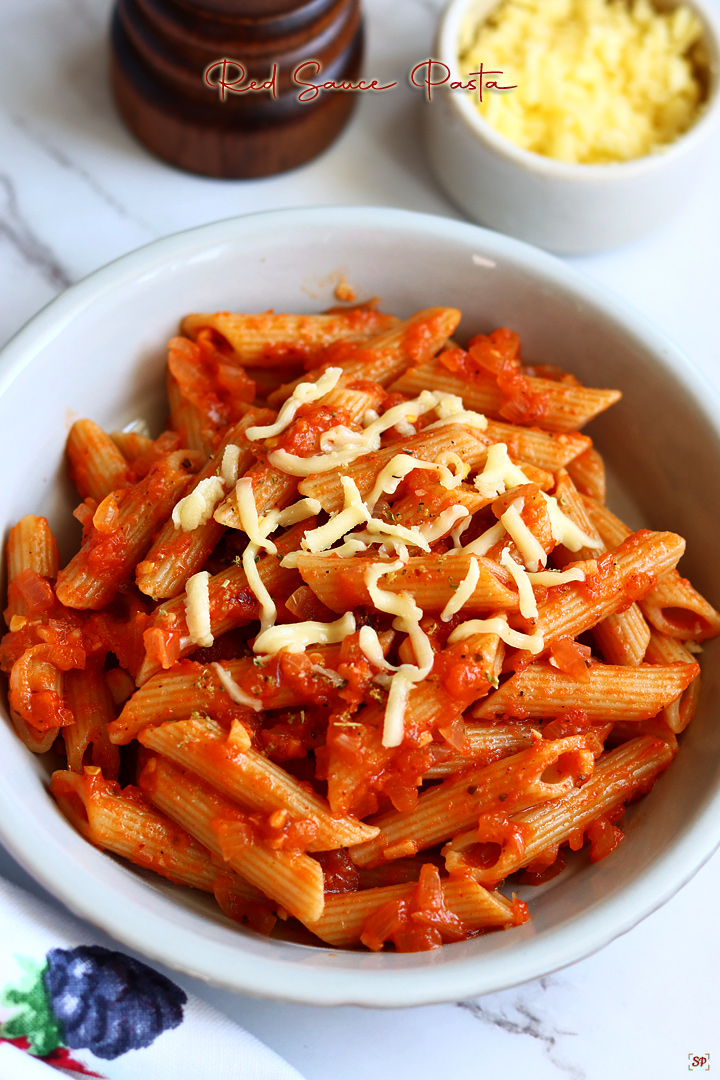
pixel 162 48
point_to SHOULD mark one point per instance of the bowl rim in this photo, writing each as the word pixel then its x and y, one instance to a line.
pixel 398 982
pixel 590 174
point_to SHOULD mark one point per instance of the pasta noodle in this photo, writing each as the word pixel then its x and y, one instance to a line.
pixel 356 638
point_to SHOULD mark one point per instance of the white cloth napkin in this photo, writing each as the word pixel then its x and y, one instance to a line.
pixel 71 1006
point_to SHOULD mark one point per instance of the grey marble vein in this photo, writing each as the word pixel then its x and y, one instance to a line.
pixel 529 1024
pixel 34 251
pixel 61 158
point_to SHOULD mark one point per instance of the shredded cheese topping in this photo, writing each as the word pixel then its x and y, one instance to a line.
pixel 197 609
pixel 407 620
pixel 268 611
pixel 229 464
pixel 534 643
pixel 565 531
pixel 371 647
pixel 451 410
pixel 482 544
pixel 444 522
pixel 531 550
pixel 247 512
pixel 296 637
pixel 557 577
pixel 303 394
pixel 499 474
pixel 463 592
pixel 199 506
pixel 353 513
pixel 235 692
pixel 528 604
pixel 341 445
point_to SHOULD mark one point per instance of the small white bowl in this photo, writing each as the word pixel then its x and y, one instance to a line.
pixel 99 351
pixel 569 208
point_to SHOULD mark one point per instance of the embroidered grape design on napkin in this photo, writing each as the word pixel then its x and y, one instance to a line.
pixel 91 998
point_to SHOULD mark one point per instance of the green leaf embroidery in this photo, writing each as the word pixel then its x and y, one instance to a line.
pixel 35 1019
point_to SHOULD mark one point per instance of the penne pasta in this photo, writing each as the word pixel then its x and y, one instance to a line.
pixel 587 472
pixel 270 339
pixel 228 762
pixel 562 408
pixel 571 609
pixel 388 354
pixel 121 537
pixel 623 636
pixel 344 917
pixel 292 879
pixel 31 546
pixel 431 580
pixel 482 743
pixel 511 784
pixel 87 741
pixel 97 466
pixel 524 837
pixel 608 693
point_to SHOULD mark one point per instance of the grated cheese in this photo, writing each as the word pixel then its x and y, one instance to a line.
pixel 303 394
pixel 229 464
pixel 296 637
pixel 444 523
pixel 463 592
pixel 499 474
pixel 565 531
pixel 341 445
pixel 390 477
pixel 528 604
pixel 451 410
pixel 268 611
pixel 299 511
pixel 354 513
pixel 397 533
pixel 235 692
pixel 197 609
pixel 534 643
pixel 247 512
pixel 459 530
pixel 371 648
pixel 198 507
pixel 449 457
pixel 394 721
pixel 594 81
pixel 531 550
pixel 407 620
pixel 558 577
pixel 482 544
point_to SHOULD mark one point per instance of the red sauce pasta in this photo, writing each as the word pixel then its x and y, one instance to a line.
pixel 356 639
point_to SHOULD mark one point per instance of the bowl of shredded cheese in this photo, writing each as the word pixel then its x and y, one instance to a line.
pixel 578 125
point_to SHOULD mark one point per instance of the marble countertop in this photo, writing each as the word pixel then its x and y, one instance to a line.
pixel 75 192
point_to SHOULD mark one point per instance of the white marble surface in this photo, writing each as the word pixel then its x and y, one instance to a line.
pixel 77 191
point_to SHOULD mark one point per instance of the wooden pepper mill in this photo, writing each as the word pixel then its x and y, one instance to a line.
pixel 162 50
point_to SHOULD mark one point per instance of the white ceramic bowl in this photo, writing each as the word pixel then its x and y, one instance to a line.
pixel 98 351
pixel 564 207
